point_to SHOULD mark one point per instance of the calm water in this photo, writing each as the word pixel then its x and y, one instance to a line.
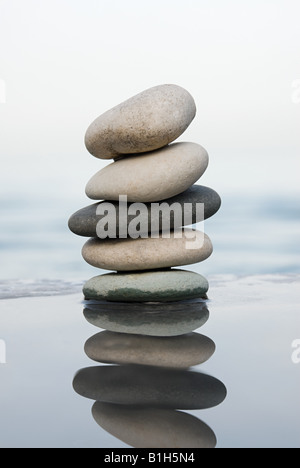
pixel 254 319
pixel 253 322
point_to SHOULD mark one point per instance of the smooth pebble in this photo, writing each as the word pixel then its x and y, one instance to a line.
pixel 177 352
pixel 151 177
pixel 150 319
pixel 149 386
pixel 178 249
pixel 148 286
pixel 153 427
pixel 145 122
pixel 86 221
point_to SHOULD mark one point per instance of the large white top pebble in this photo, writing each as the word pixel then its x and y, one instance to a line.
pixel 146 122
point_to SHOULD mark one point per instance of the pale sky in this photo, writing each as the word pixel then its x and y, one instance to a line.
pixel 64 62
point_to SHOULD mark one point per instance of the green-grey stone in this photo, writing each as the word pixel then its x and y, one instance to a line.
pixel 154 286
pixel 162 319
pixel 84 222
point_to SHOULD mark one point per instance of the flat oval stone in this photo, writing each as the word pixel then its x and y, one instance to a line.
pixel 149 386
pixel 148 254
pixel 145 122
pixel 162 319
pixel 157 286
pixel 85 221
pixel 150 177
pixel 153 427
pixel 177 351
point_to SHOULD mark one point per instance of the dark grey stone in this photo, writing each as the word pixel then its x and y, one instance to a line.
pixel 149 386
pixel 84 222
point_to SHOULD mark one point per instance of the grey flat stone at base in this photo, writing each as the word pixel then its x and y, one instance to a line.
pixel 154 286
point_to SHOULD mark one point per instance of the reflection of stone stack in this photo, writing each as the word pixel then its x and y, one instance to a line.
pixel 139 404
pixel 151 347
pixel 147 170
pixel 148 311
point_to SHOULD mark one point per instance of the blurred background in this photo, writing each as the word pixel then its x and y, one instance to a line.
pixel 64 62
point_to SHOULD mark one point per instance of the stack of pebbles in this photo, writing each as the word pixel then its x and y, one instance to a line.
pixel 148 310
pixel 149 195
